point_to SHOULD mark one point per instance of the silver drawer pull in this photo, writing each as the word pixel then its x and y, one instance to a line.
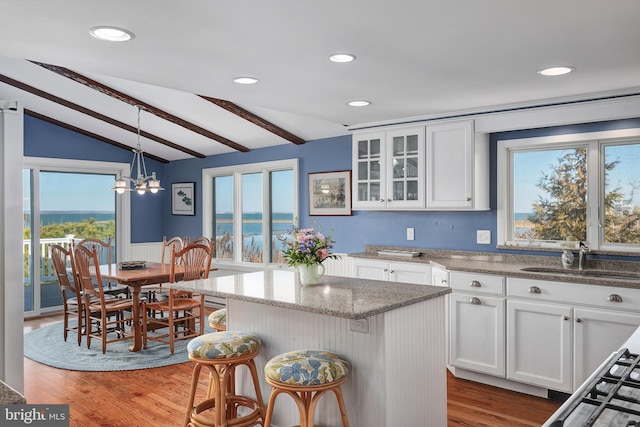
pixel 475 284
pixel 534 290
pixel 614 298
pixel 475 301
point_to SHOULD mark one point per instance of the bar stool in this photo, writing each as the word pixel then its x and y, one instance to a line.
pixel 222 353
pixel 218 320
pixel 306 375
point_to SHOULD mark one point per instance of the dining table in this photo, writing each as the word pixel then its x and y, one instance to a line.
pixel 150 273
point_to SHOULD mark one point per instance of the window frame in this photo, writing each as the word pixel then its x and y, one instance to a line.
pixel 595 143
pixel 236 171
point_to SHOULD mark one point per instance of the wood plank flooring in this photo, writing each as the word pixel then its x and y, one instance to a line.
pixel 156 397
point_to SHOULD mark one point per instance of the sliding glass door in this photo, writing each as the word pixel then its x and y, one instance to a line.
pixel 61 206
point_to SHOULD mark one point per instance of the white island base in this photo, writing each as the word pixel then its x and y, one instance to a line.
pixel 398 375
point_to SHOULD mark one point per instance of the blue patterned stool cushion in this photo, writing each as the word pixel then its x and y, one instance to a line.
pixel 223 345
pixel 218 317
pixel 306 367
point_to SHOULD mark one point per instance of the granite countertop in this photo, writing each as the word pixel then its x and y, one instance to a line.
pixel 334 296
pixel 510 265
pixel 9 396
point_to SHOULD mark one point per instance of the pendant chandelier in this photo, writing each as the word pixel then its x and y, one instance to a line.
pixel 142 183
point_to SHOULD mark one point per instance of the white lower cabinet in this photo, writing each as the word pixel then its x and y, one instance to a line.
pixel 477 316
pixel 558 333
pixel 477 333
pixel 539 344
pixel 407 272
pixel 597 333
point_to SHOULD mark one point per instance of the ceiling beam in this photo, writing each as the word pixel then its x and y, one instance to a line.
pixel 89 134
pixel 102 88
pixel 256 120
pixel 35 91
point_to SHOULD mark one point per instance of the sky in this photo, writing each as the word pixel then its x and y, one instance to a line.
pixel 72 192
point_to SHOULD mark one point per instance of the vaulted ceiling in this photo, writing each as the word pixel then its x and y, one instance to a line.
pixel 431 58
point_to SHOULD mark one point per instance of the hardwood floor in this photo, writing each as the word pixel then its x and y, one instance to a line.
pixel 155 397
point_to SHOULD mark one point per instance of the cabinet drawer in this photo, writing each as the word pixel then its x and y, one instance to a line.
pixel 474 282
pixel 575 293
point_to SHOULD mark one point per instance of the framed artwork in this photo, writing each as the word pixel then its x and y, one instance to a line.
pixel 183 198
pixel 330 193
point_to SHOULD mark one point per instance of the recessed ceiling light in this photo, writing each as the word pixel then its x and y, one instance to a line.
pixel 556 71
pixel 245 80
pixel 112 34
pixel 359 103
pixel 342 57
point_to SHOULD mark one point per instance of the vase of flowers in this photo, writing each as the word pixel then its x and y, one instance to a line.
pixel 306 249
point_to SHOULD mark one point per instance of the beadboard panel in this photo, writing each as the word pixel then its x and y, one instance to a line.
pixel 418 340
pixel 151 252
pixel 382 383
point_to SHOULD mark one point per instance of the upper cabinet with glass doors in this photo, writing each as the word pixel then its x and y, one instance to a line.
pixel 389 169
pixel 441 166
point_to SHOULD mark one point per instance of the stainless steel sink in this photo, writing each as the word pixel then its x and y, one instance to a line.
pixel 605 274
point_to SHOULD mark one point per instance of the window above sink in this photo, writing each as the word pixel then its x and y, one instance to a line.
pixel 578 187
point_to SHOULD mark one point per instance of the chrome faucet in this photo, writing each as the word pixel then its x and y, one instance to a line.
pixel 583 262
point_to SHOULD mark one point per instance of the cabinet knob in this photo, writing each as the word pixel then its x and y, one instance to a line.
pixel 534 290
pixel 444 281
pixel 565 318
pixel 614 298
pixel 475 301
pixel 468 199
pixel 381 200
pixel 385 270
pixel 579 320
pixel 475 284
pixel 392 271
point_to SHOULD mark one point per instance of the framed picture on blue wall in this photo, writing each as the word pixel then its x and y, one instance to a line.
pixel 183 198
pixel 330 193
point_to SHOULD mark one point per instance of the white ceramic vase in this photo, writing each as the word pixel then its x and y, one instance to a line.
pixel 310 274
pixel 567 259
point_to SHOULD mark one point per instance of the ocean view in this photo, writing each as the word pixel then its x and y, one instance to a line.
pixel 60 217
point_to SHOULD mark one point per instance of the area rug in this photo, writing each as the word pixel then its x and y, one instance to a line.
pixel 47 346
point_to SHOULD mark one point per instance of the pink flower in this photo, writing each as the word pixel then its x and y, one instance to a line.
pixel 322 253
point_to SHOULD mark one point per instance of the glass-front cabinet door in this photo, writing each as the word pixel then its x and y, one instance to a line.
pixel 369 170
pixel 405 159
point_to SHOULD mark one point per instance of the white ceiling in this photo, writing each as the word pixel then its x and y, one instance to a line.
pixel 415 58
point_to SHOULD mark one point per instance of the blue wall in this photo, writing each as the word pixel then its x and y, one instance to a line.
pixel 438 230
pixel 43 139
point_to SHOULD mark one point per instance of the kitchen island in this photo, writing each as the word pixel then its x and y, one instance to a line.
pixel 393 334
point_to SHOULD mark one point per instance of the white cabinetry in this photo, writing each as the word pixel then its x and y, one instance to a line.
pixel 389 169
pixel 395 168
pixel 457 169
pixel 406 272
pixel 596 334
pixel 477 310
pixel 558 333
pixel 539 344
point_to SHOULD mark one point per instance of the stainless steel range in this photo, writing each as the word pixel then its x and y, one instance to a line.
pixel 609 398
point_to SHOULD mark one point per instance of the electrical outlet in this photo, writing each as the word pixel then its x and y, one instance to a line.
pixel 359 325
pixel 410 233
pixel 483 237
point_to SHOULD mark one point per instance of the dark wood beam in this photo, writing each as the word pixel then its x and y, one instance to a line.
pixel 89 134
pixel 256 120
pixel 102 88
pixel 35 91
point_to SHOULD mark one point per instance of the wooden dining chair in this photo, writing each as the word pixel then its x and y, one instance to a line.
pixel 174 244
pixel 183 309
pixel 200 241
pixel 105 319
pixel 72 303
pixel 101 247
